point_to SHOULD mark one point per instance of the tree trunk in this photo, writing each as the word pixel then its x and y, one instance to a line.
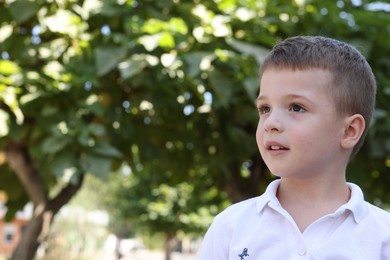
pixel 31 238
pixel 239 188
pixel 169 244
pixel 38 227
pixel 118 250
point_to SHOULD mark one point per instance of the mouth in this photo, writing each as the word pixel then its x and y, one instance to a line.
pixel 276 147
pixel 272 146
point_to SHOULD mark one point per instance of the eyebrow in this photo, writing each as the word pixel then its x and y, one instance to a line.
pixel 259 98
pixel 289 96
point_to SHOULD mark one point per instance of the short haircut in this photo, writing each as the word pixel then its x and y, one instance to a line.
pixel 353 87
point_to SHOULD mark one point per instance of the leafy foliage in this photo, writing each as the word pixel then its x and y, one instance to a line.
pixel 167 88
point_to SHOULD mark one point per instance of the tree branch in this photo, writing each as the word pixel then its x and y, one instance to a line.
pixel 20 162
pixel 65 195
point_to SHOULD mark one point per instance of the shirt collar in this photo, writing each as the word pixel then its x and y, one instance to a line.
pixel 356 204
pixel 269 196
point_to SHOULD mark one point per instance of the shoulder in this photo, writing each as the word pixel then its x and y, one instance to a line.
pixel 375 225
pixel 379 216
pixel 248 210
pixel 369 215
pixel 237 219
pixel 218 237
pixel 238 211
pixel 234 216
pixel 378 229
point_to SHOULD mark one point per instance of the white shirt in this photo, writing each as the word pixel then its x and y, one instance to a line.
pixel 259 228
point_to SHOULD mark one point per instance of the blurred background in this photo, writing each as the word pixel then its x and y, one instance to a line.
pixel 126 126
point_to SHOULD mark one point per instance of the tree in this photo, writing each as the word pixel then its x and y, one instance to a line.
pixel 89 85
pixel 225 66
pixel 150 205
pixel 53 131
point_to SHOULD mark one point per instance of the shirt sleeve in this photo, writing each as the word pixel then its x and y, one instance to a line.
pixel 207 248
pixel 215 244
pixel 386 250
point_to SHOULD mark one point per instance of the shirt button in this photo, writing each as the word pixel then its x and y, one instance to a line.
pixel 301 251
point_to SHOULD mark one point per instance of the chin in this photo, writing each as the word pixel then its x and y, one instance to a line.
pixel 277 174
pixel 282 174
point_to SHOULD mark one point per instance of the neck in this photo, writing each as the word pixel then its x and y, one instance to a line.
pixel 308 200
pixel 302 190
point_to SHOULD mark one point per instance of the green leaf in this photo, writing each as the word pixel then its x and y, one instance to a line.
pixel 64 167
pixel 95 106
pixel 63 21
pixel 96 165
pixel 222 86
pixel 257 51
pixel 52 145
pixel 8 95
pixel 166 40
pixel 108 58
pixel 154 26
pixel 177 25
pixel 54 69
pixel 150 42
pixel 97 129
pixel 194 59
pixel 107 150
pixel 84 138
pixel 252 86
pixel 91 7
pixel 23 10
pixel 49 110
pixel 4 129
pixel 132 66
pixel 5 32
pixel 8 67
pixel 61 163
pixel 30 97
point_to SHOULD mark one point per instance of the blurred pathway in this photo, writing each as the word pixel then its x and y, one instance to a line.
pixel 150 255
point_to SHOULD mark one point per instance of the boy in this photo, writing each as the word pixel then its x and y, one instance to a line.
pixel 315 104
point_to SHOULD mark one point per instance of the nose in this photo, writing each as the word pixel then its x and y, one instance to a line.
pixel 272 122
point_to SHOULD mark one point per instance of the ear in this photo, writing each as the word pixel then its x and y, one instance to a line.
pixel 353 129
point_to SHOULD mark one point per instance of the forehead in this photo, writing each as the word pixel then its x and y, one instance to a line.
pixel 310 83
pixel 290 79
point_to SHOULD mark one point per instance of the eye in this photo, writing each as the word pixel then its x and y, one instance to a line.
pixel 263 109
pixel 296 108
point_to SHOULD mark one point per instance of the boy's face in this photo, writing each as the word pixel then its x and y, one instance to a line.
pixel 299 131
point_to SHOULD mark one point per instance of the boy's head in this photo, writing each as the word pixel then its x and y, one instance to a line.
pixel 353 86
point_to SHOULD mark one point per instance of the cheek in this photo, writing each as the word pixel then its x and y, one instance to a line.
pixel 314 137
pixel 259 135
pixel 303 138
